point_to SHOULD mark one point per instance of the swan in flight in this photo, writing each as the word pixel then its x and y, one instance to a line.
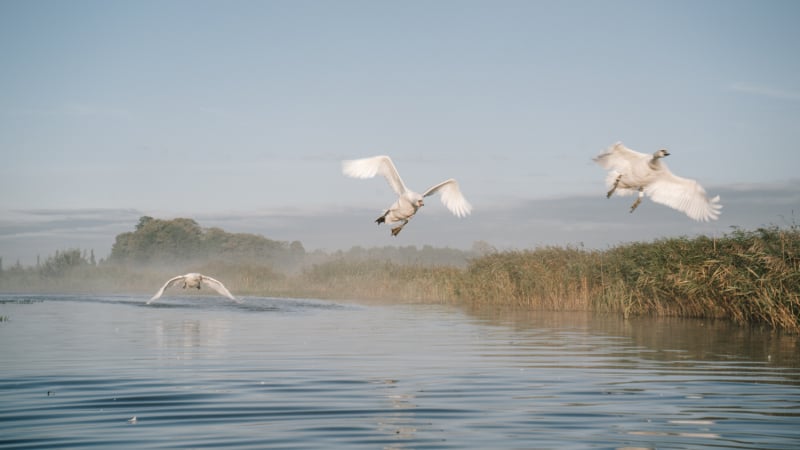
pixel 409 201
pixel 631 172
pixel 193 280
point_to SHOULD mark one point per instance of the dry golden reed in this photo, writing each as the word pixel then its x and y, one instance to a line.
pixel 747 277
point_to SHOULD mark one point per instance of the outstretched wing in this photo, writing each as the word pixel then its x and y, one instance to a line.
pixel 377 165
pixel 683 194
pixel 217 286
pixel 452 197
pixel 620 158
pixel 160 292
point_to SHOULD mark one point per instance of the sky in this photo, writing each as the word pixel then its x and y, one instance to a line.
pixel 238 114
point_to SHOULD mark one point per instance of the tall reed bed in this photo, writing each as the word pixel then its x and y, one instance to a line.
pixel 551 278
pixel 746 277
pixel 378 280
pixel 105 278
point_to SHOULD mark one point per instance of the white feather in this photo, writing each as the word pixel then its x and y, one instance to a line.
pixel 409 201
pixel 684 195
pixel 169 283
pixel 377 165
pixel 217 286
pixel 193 280
pixel 648 173
pixel 452 197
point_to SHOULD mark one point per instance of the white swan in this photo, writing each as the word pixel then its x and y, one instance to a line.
pixel 631 172
pixel 409 202
pixel 194 280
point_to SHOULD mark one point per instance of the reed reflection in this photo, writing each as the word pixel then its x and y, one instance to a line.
pixel 660 339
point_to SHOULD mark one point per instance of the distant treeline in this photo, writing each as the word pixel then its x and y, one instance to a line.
pixel 158 248
pixel 167 242
pixel 749 277
pixel 177 240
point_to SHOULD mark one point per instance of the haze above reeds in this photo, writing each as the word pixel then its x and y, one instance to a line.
pixel 750 277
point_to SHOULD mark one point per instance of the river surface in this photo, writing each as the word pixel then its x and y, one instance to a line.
pixel 85 371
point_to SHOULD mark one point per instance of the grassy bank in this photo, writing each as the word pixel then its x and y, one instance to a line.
pixel 748 277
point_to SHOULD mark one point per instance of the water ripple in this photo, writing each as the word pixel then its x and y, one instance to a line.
pixel 102 372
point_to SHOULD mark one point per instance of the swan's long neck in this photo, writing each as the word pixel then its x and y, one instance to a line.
pixel 655 161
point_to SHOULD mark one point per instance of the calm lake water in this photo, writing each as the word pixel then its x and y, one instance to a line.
pixel 204 372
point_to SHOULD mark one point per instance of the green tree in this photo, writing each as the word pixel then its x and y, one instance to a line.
pixel 181 239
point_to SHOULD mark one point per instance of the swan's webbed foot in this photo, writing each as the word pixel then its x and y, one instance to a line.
pixel 614 187
pixel 638 200
pixel 381 219
pixel 396 230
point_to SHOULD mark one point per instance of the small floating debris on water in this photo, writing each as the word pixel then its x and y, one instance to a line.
pixel 49 393
pixel 132 420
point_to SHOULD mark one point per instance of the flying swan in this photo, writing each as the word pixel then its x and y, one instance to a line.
pixel 193 280
pixel 631 172
pixel 409 201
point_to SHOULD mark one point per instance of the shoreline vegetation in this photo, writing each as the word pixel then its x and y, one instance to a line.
pixel 747 277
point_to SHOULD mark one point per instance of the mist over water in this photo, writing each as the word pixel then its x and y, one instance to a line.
pixel 202 371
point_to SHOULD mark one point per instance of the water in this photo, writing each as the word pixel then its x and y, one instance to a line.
pixel 203 372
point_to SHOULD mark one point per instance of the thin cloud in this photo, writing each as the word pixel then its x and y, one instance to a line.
pixel 101 212
pixel 764 91
pixel 63 222
pixel 590 221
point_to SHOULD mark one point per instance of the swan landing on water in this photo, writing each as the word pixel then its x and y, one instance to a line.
pixel 194 280
pixel 631 172
pixel 409 202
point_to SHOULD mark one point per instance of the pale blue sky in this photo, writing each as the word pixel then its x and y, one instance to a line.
pixel 238 114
